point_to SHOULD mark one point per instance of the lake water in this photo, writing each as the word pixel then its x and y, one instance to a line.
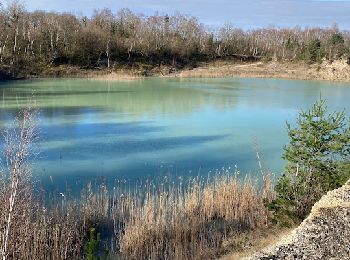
pixel 156 127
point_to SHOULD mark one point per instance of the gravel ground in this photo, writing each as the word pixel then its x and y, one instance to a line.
pixel 325 234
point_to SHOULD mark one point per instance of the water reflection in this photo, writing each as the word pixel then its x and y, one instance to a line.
pixel 133 129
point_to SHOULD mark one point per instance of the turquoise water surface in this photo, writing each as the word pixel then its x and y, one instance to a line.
pixel 155 127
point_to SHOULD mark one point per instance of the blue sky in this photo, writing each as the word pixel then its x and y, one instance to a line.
pixel 241 13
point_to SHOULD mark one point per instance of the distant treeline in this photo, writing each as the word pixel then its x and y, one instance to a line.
pixel 33 41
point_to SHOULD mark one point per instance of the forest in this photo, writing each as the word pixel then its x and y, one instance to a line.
pixel 31 42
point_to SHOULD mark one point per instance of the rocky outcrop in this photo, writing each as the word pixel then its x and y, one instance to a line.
pixel 325 234
pixel 338 70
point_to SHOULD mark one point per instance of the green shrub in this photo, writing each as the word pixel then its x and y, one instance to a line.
pixel 318 159
pixel 314 51
pixel 337 38
pixel 92 244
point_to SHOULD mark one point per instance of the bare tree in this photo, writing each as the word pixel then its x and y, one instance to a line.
pixel 32 41
pixel 18 142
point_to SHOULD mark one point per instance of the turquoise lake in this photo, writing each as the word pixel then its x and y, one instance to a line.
pixel 155 127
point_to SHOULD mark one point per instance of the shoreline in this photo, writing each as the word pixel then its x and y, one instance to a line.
pixel 336 71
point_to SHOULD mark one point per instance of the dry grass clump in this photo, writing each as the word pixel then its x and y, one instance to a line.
pixel 190 222
pixel 40 232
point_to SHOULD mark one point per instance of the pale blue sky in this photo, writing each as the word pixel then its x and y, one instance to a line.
pixel 241 13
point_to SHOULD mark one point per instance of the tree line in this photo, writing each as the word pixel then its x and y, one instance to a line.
pixel 32 41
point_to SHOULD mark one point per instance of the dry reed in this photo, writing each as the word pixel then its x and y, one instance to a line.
pixel 189 222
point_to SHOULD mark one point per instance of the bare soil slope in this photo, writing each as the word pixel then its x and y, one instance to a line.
pixel 338 70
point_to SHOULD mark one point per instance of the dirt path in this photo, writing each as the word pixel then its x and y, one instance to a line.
pixel 258 241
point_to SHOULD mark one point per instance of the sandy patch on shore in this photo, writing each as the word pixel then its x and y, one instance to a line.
pixel 333 71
